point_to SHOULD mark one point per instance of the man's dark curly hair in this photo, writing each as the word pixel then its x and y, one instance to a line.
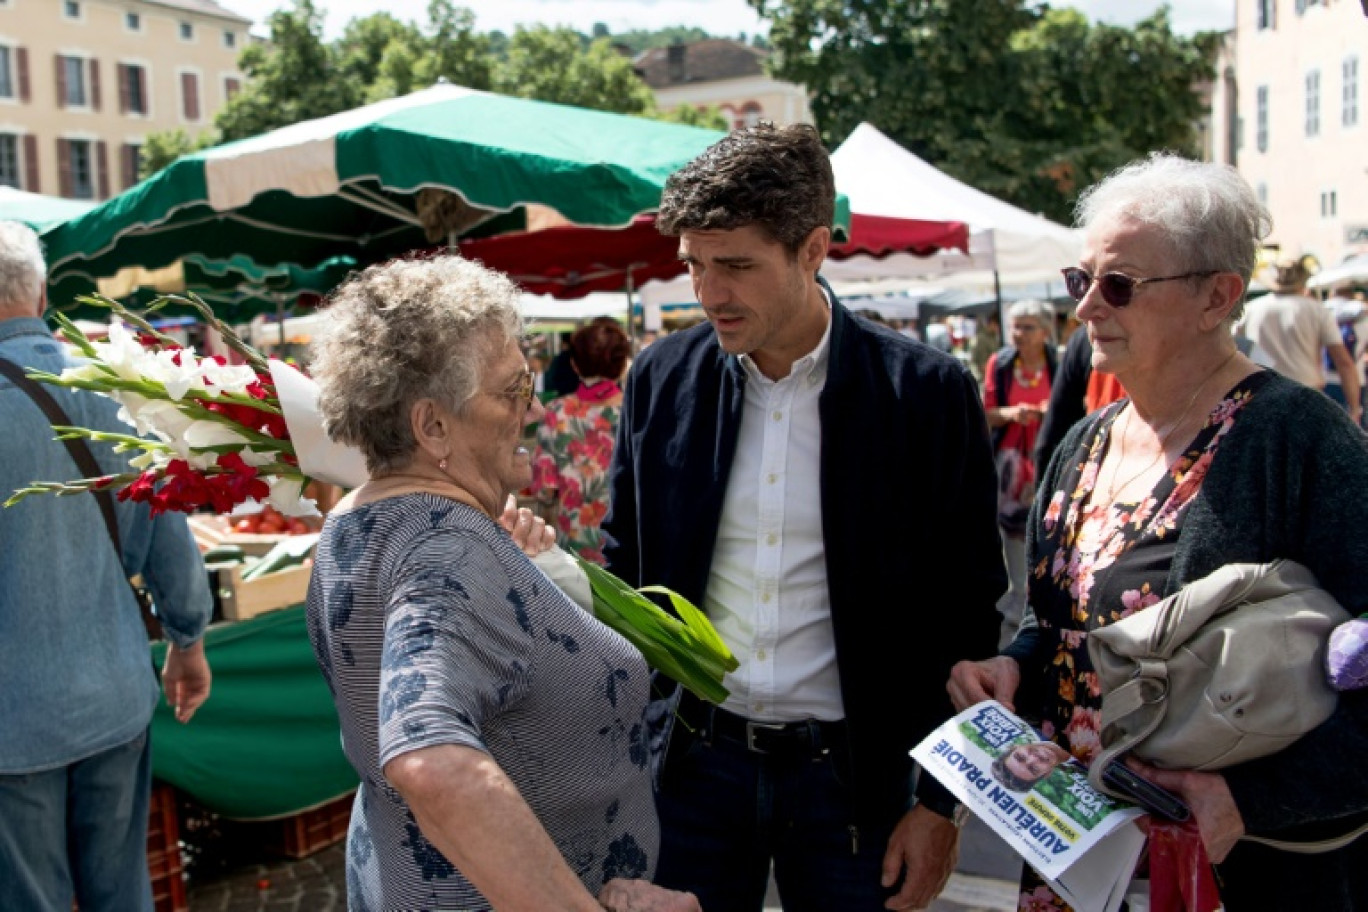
pixel 777 178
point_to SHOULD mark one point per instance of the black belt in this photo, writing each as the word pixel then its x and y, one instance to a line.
pixel 806 737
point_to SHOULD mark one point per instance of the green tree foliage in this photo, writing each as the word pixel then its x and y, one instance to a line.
pixel 639 40
pixel 709 118
pixel 551 64
pixel 1028 104
pixel 293 77
pixel 161 149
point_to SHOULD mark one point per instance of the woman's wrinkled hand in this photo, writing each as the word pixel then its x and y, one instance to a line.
pixel 1209 798
pixel 620 895
pixel 992 679
pixel 529 531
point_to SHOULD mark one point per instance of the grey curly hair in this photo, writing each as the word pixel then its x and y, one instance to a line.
pixel 404 331
pixel 1210 217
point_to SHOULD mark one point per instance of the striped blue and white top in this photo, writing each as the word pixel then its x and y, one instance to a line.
pixel 432 627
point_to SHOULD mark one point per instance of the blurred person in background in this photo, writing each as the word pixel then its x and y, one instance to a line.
pixel 1016 396
pixel 575 439
pixel 1293 330
pixel 1351 316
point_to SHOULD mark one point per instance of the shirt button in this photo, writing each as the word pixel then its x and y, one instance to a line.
pixel 812 379
pixel 772 478
pixel 771 538
pixel 760 654
pixel 759 708
pixel 765 597
pixel 778 416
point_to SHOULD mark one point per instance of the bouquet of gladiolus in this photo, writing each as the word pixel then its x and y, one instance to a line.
pixel 209 434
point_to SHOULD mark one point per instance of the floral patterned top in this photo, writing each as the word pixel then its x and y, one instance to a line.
pixel 574 449
pixel 1099 563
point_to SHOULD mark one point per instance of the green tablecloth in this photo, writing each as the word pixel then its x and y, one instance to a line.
pixel 266 743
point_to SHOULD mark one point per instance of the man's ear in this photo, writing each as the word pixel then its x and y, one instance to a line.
pixel 813 251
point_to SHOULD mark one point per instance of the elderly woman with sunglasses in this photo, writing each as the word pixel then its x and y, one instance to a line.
pixel 1211 460
pixel 498 729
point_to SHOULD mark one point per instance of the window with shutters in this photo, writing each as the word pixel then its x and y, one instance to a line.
pixel 1313 103
pixel 71 9
pixel 230 40
pixel 231 86
pixel 1349 97
pixel 1266 12
pixel 81 168
pixel 9 161
pixel 190 96
pixel 7 81
pixel 1261 119
pixel 133 22
pixel 72 81
pixel 130 163
pixel 133 88
pixel 187 31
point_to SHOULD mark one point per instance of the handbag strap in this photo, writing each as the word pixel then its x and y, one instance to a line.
pixel 1310 848
pixel 80 453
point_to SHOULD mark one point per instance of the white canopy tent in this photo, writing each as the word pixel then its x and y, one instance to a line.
pixel 882 178
pixel 1007 246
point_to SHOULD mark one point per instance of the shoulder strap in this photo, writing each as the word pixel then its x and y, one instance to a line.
pixel 80 453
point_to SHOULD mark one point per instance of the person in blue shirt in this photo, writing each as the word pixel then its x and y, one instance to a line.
pixel 77 685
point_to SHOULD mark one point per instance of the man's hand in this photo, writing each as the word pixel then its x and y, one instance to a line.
pixel 1213 807
pixel 530 532
pixel 925 848
pixel 620 895
pixel 992 679
pixel 185 679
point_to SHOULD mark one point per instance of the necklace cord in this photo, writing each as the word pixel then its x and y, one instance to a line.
pixel 1112 488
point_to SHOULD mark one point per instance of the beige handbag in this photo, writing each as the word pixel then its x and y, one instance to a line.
pixel 1228 669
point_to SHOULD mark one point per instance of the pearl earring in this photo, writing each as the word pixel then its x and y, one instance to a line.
pixel 442 464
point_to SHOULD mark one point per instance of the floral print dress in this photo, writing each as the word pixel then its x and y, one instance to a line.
pixel 574 449
pixel 1099 563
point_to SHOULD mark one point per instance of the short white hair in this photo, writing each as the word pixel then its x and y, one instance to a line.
pixel 1031 309
pixel 23 271
pixel 1206 212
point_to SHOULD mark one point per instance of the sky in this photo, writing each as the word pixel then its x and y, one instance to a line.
pixel 717 17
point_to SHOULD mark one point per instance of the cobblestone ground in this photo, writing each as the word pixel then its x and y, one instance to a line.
pixel 231 875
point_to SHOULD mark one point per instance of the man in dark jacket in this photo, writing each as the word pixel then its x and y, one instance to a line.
pixel 823 488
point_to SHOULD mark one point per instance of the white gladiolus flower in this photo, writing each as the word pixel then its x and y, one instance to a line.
pixel 226 378
pixel 212 433
pixel 287 497
pixel 88 371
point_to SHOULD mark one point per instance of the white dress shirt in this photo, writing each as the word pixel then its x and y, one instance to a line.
pixel 767 591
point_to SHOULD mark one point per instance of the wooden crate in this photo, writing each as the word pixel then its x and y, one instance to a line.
pixel 241 599
pixel 164 862
pixel 309 831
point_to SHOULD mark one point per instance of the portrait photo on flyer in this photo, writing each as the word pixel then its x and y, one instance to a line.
pixel 1036 797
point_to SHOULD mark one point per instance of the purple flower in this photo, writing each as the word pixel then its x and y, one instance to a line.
pixel 1346 661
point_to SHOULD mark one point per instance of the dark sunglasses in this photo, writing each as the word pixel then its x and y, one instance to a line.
pixel 1117 289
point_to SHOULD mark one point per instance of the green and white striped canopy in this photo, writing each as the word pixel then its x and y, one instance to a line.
pixel 353 184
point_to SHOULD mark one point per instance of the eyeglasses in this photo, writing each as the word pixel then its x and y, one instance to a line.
pixel 1117 288
pixel 524 390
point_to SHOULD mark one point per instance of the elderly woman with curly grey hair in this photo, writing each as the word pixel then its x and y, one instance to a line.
pixel 1209 461
pixel 498 729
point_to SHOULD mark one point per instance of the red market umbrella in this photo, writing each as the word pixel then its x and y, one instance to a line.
pixel 878 236
pixel 569 262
